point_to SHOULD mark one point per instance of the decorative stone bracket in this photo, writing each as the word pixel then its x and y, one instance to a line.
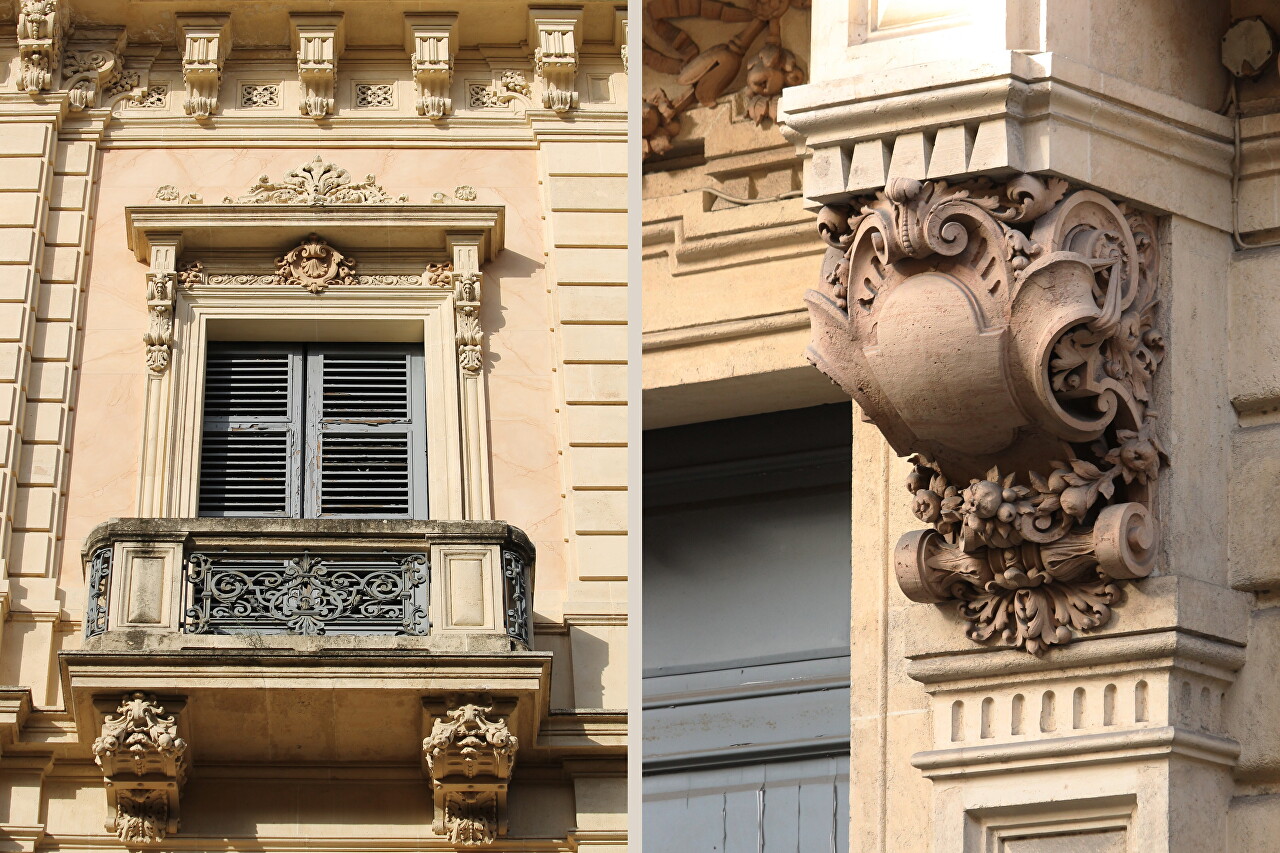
pixel 318 39
pixel 1006 336
pixel 431 44
pixel 469 755
pixel 144 762
pixel 41 25
pixel 206 44
pixel 555 56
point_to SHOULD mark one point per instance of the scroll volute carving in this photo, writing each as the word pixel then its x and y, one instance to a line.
pixel 1005 336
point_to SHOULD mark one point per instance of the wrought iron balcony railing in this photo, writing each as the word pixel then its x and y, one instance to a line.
pixel 223 576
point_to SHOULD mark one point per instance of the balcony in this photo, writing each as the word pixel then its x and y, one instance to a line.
pixel 308 641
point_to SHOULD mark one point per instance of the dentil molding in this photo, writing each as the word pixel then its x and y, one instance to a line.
pixel 1004 336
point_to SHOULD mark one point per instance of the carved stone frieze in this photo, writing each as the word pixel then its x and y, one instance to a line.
pixel 670 49
pixel 318 40
pixel 432 46
pixel 555 57
pixel 317 183
pixel 205 46
pixel 144 762
pixel 1005 336
pixel 470 755
pixel 41 24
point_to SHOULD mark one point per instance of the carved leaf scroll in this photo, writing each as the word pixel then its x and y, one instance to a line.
pixel 470 756
pixel 316 183
pixel 1006 336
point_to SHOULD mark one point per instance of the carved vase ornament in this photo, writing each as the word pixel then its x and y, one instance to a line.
pixel 1004 336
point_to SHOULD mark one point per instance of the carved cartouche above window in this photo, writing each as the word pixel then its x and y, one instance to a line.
pixel 1005 335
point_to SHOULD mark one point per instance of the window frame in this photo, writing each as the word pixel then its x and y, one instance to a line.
pixel 305 425
pixel 171 474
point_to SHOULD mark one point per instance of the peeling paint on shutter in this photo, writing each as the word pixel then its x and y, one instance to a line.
pixel 365 445
pixel 250 447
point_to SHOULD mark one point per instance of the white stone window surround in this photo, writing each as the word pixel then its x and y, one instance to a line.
pixel 457 442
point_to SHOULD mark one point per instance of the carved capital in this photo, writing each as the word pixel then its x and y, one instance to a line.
pixel 159 334
pixel 1006 336
pixel 432 47
pixel 144 762
pixel 206 42
pixel 41 25
pixel 318 39
pixel 554 34
pixel 470 754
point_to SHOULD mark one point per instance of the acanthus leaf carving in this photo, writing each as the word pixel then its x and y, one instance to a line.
pixel 1005 336
pixel 144 762
pixel 314 265
pixel 317 183
pixel 93 68
pixel 470 756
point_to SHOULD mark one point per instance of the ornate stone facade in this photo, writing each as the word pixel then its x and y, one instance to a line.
pixel 470 758
pixel 366 297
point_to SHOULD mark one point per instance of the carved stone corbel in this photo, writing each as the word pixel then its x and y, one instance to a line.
pixel 432 47
pixel 206 44
pixel 94 66
pixel 318 39
pixel 41 25
pixel 1006 336
pixel 469 755
pixel 144 764
pixel 554 33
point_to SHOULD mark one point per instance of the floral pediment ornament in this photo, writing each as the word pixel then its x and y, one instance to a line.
pixel 316 183
pixel 1005 337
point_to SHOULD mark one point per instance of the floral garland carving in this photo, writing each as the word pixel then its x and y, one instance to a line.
pixel 1005 337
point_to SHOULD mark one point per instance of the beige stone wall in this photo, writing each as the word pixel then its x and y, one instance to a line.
pixel 72 315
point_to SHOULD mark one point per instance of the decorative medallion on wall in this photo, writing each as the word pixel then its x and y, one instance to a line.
pixel 1005 336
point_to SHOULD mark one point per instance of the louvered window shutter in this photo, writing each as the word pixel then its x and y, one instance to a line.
pixel 366 450
pixel 250 455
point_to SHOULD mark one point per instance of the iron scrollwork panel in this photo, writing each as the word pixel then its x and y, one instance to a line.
pixel 95 610
pixel 515 572
pixel 270 593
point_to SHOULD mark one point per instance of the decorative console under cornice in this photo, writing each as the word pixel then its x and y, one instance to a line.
pixel 1004 334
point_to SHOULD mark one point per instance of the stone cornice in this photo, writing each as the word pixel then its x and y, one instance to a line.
pixel 1020 113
